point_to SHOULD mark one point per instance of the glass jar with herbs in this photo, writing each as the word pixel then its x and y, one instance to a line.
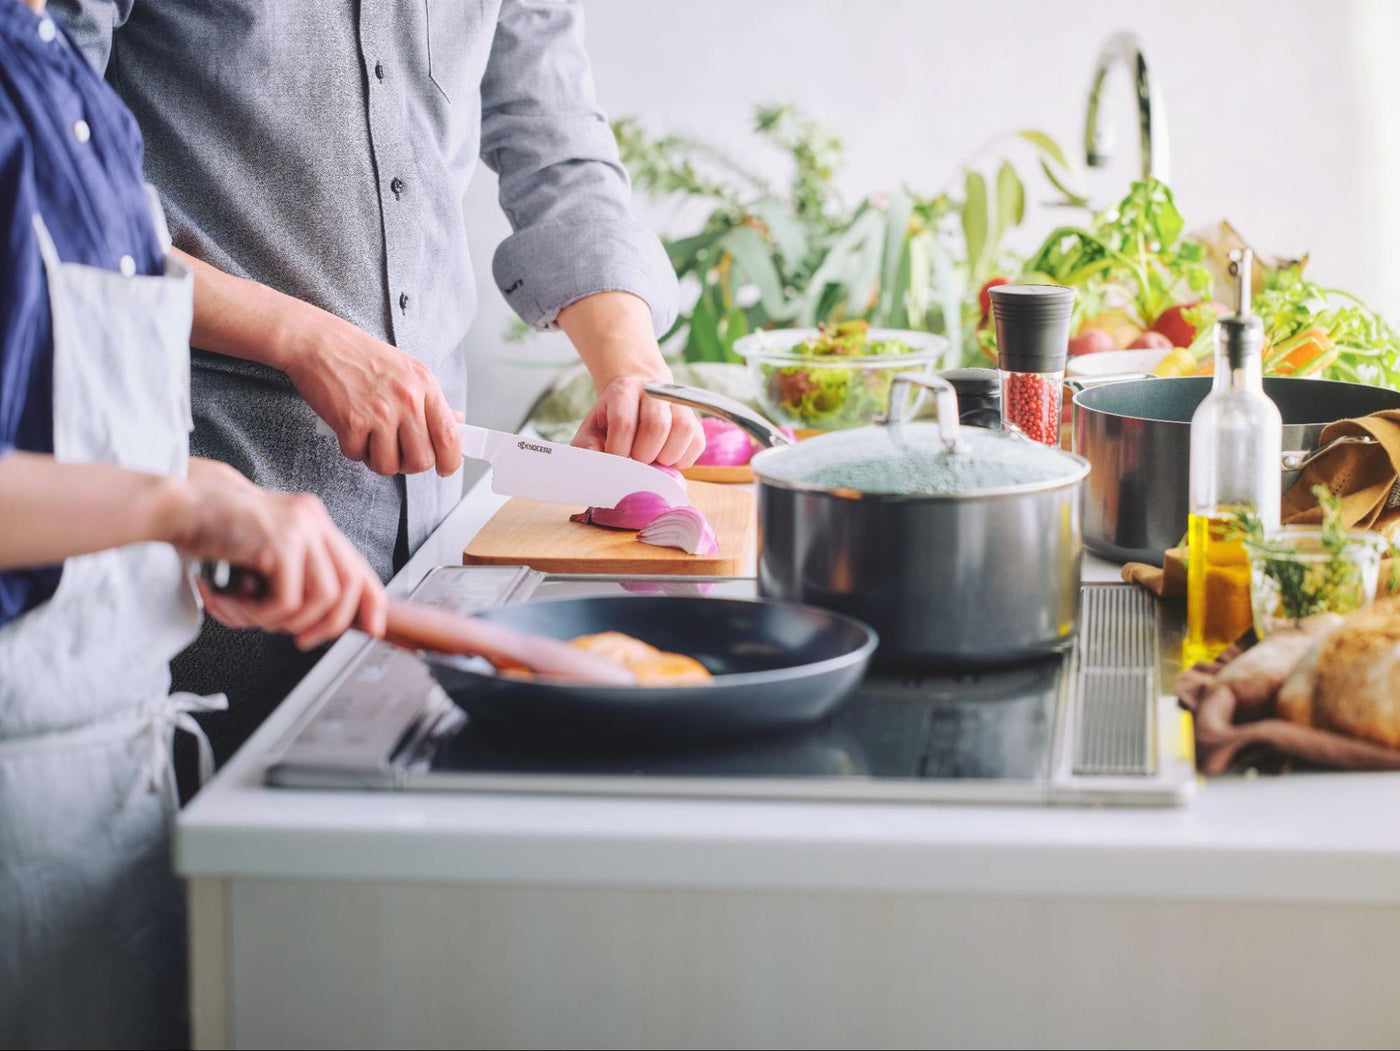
pixel 1298 571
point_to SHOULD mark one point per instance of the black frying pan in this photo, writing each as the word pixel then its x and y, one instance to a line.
pixel 776 666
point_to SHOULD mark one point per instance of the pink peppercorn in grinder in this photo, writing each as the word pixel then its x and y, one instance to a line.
pixel 1032 345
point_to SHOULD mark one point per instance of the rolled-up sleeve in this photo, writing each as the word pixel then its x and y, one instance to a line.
pixel 562 184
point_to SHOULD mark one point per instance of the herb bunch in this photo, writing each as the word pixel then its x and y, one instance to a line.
pixel 1306 586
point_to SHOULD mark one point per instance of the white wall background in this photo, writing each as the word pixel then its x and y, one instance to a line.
pixel 1279 114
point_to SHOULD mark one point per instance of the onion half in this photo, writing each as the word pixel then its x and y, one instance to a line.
pixel 682 527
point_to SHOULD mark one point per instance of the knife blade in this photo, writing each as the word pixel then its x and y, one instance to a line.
pixel 565 474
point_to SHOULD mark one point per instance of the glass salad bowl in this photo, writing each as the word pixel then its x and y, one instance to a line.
pixel 1298 571
pixel 836 376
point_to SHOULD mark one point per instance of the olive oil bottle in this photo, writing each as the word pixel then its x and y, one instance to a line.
pixel 1236 441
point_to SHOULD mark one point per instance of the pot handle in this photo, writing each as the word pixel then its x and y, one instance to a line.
pixel 1083 383
pixel 1298 459
pixel 726 408
pixel 945 401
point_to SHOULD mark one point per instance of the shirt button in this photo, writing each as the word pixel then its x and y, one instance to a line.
pixel 379 70
pixel 403 301
pixel 128 266
pixel 47 30
pixel 397 185
pixel 81 131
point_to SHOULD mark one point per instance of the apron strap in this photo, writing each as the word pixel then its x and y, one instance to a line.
pixel 171 713
pixel 177 713
pixel 158 218
pixel 47 249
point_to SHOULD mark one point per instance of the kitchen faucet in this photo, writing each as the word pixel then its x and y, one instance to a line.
pixel 1152 116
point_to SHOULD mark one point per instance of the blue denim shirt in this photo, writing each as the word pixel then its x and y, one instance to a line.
pixel 71 153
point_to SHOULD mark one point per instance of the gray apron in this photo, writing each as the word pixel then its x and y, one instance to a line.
pixel 92 941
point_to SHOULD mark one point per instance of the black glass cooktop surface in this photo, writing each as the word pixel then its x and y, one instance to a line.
pixel 1091 726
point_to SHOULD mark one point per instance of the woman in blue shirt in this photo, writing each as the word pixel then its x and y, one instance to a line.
pixel 104 514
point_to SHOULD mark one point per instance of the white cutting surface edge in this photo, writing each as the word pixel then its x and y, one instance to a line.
pixel 1299 838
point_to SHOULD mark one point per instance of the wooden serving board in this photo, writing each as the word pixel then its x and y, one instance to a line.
pixel 539 535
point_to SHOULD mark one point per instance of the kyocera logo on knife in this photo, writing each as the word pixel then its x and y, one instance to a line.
pixel 534 448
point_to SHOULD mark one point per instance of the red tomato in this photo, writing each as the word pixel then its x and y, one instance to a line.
pixel 984 297
pixel 1177 329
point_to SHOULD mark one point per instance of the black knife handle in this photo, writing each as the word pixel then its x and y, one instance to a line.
pixel 224 578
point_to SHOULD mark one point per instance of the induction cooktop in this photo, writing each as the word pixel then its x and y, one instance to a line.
pixel 1091 727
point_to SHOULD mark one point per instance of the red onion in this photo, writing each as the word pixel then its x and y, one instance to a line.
pixel 632 512
pixel 657 521
pixel 682 527
pixel 726 444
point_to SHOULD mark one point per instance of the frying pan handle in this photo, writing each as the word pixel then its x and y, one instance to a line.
pixel 1298 459
pixel 735 412
pixel 945 401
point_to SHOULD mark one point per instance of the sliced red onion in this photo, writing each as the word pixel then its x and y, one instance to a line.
pixel 682 527
pixel 632 512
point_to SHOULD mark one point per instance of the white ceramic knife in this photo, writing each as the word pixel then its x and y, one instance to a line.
pixel 565 474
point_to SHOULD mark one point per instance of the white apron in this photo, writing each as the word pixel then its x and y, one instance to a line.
pixel 91 917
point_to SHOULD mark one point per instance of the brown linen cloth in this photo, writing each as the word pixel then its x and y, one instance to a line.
pixel 1364 476
pixel 1166 581
pixel 1232 737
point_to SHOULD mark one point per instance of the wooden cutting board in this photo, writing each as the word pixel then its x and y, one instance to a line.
pixel 538 535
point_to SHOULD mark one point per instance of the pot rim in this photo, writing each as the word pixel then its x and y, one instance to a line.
pixel 1066 481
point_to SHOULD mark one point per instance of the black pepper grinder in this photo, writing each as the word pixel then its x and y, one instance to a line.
pixel 1032 346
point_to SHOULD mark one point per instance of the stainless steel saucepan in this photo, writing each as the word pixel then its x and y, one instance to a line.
pixel 1137 435
pixel 960 545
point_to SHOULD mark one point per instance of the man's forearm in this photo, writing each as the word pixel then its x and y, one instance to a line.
pixel 613 336
pixel 241 318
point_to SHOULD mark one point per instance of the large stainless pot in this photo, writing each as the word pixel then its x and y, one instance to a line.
pixel 974 578
pixel 1137 435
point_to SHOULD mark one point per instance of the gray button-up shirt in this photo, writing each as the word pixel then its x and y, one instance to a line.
pixel 323 147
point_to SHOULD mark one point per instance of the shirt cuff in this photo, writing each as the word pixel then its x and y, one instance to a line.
pixel 542 269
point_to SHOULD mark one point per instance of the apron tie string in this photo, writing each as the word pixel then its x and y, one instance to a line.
pixel 176 712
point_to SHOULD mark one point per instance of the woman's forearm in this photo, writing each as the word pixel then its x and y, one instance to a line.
pixel 50 510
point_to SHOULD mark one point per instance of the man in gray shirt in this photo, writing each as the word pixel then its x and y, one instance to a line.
pixel 312 158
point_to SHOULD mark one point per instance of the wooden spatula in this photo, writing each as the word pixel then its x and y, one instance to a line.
pixel 414 626
pixel 418 627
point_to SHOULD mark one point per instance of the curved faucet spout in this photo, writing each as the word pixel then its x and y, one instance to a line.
pixel 1126 48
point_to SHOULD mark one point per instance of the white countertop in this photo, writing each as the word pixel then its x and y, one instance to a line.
pixel 1298 838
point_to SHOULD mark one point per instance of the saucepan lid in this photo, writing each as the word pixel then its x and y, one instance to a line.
pixel 897 459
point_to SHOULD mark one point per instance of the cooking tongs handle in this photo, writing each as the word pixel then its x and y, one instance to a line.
pixel 945 402
pixel 736 412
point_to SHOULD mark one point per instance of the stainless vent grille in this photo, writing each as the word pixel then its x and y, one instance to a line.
pixel 1116 682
